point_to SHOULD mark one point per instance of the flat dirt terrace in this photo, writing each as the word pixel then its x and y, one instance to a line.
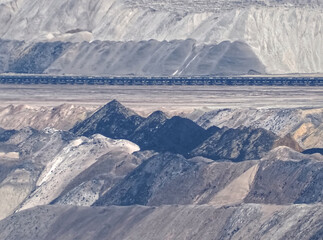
pixel 176 99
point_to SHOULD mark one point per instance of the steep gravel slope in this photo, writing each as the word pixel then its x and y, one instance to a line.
pixel 282 177
pixel 247 221
pixel 73 159
pixel 112 120
pixel 304 125
pixel 100 177
pixel 143 58
pixel 39 166
pixel 286 177
pixel 172 179
pixel 181 135
pixel 286 36
pixel 243 143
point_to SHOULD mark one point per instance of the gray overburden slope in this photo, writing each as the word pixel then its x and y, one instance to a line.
pixel 247 221
pixel 303 125
pixel 181 135
pixel 284 36
pixel 172 179
pixel 142 58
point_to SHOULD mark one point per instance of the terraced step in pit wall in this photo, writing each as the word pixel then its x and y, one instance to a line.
pixel 221 81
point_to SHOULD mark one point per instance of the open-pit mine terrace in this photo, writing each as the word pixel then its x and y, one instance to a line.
pixel 175 95
pixel 191 80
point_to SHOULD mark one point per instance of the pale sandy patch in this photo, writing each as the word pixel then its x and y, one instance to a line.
pixel 237 190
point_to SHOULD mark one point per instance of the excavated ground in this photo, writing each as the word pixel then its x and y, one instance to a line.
pixel 171 99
